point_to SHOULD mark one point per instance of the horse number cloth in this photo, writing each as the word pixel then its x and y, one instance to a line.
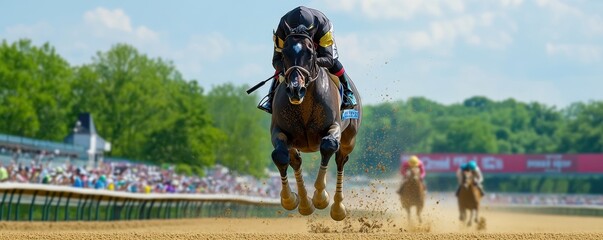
pixel 350 114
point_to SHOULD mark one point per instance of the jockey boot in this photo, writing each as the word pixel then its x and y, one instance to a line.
pixel 457 191
pixel 481 189
pixel 349 101
pixel 266 102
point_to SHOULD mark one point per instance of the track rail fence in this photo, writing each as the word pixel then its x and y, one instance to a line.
pixel 38 202
pixel 593 211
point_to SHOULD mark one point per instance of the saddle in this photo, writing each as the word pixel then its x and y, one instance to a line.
pixel 335 80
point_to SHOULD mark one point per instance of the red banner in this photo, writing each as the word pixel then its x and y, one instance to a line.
pixel 516 163
pixel 590 163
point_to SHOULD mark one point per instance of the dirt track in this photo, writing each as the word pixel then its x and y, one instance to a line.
pixel 380 218
pixel 500 225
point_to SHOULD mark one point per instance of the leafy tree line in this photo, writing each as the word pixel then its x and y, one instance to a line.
pixel 477 125
pixel 142 105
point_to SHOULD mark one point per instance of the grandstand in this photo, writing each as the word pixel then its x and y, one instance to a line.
pixel 80 162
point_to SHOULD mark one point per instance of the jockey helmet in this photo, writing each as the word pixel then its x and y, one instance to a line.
pixel 464 167
pixel 301 16
pixel 472 165
pixel 413 161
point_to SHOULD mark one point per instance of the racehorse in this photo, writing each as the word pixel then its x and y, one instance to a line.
pixel 307 118
pixel 469 198
pixel 413 193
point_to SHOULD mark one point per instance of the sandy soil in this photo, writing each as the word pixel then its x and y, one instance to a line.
pixel 376 214
pixel 437 225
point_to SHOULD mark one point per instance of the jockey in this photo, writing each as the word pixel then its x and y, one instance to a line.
pixel 413 162
pixel 477 176
pixel 320 30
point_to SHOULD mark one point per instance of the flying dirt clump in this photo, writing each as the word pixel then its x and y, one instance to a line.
pixel 363 225
pixel 369 226
pixel 481 224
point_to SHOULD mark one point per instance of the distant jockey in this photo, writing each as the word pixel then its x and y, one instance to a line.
pixel 476 172
pixel 413 162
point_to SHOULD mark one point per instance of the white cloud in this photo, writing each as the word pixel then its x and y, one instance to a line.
pixel 511 3
pixel 590 23
pixel 581 52
pixel 363 51
pixel 558 7
pixel 110 19
pixel 474 30
pixel 210 47
pixel 116 25
pixel 396 9
pixel 448 23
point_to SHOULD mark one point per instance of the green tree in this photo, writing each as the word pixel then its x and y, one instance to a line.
pixel 145 108
pixel 468 136
pixel 35 91
pixel 584 129
pixel 245 145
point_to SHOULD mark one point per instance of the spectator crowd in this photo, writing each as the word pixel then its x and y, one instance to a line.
pixel 126 176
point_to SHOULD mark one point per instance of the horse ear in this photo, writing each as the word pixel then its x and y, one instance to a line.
pixel 288 27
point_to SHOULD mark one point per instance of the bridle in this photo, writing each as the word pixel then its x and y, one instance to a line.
pixel 302 70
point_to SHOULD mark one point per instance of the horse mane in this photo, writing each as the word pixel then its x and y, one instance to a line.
pixel 301 29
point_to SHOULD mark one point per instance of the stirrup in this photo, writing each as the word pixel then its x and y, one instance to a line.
pixel 348 103
pixel 265 104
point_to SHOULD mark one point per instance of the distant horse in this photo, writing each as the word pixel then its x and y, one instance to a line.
pixel 469 198
pixel 307 118
pixel 413 193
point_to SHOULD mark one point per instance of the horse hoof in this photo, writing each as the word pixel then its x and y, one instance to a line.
pixel 338 211
pixel 290 203
pixel 306 208
pixel 320 199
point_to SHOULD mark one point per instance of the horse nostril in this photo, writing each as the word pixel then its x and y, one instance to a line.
pixel 302 92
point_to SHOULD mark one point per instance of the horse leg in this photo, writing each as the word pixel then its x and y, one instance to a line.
pixel 321 197
pixel 419 210
pixel 408 215
pixel 305 205
pixel 280 157
pixel 476 216
pixel 471 214
pixel 338 211
pixel 328 146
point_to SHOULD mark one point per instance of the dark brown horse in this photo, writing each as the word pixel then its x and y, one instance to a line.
pixel 469 198
pixel 307 118
pixel 413 194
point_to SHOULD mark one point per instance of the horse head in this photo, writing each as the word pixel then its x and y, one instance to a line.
pixel 299 57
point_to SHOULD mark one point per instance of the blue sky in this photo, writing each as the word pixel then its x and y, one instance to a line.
pixel 549 51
